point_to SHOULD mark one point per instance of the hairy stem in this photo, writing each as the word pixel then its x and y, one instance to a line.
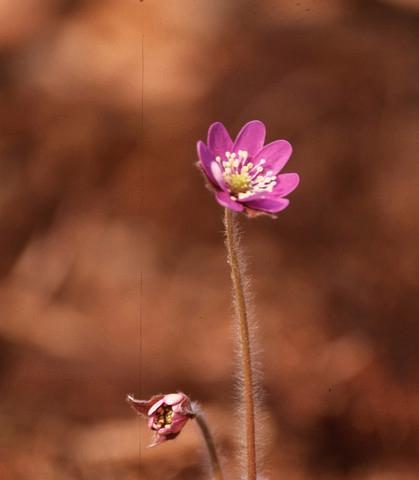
pixel 209 442
pixel 246 360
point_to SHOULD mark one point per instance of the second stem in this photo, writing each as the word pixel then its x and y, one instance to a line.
pixel 245 349
pixel 209 442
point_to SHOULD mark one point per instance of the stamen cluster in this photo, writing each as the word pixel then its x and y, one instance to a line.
pixel 243 178
pixel 163 417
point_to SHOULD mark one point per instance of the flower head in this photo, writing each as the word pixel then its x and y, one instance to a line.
pixel 167 414
pixel 244 174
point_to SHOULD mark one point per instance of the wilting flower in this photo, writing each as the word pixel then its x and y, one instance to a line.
pixel 167 414
pixel 244 174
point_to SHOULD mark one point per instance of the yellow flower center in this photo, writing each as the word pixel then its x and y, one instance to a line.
pixel 238 182
pixel 164 416
pixel 242 177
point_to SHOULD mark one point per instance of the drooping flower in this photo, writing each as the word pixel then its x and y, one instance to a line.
pixel 244 174
pixel 167 414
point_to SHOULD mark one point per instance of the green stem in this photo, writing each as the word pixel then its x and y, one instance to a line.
pixel 246 360
pixel 209 442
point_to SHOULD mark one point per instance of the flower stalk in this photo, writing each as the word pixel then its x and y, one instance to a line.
pixel 241 309
pixel 209 442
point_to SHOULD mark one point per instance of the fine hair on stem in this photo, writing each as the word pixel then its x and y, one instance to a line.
pixel 248 373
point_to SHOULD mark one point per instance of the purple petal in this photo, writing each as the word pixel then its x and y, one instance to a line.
pixel 219 141
pixel 206 158
pixel 268 204
pixel 217 174
pixel 286 183
pixel 275 154
pixel 250 138
pixel 223 198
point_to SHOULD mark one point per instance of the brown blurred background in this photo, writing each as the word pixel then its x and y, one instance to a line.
pixel 101 226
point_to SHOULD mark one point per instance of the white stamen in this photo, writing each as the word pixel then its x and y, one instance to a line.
pixel 240 175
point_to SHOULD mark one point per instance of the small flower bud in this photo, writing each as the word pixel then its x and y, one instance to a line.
pixel 167 414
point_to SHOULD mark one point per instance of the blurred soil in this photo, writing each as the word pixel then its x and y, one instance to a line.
pixel 112 269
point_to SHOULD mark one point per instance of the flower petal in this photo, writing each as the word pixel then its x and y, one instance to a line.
pixel 177 424
pixel 217 174
pixel 275 154
pixel 173 398
pixel 206 158
pixel 157 440
pixel 250 138
pixel 142 406
pixel 286 183
pixel 219 140
pixel 268 204
pixel 155 407
pixel 223 198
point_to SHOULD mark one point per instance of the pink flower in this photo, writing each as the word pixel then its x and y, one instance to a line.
pixel 244 174
pixel 167 414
